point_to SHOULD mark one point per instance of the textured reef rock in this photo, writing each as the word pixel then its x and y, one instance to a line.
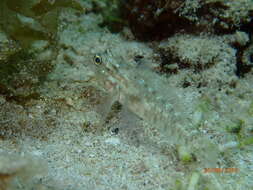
pixel 245 59
pixel 248 56
pixel 155 20
pixel 197 53
pixel 203 60
pixel 88 120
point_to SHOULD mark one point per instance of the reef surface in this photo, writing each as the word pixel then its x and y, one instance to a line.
pixel 126 94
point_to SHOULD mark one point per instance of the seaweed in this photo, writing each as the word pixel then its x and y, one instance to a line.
pixel 30 20
pixel 111 13
pixel 44 6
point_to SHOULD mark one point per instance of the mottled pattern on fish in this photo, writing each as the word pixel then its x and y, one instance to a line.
pixel 142 90
pixel 149 96
pixel 135 91
pixel 134 84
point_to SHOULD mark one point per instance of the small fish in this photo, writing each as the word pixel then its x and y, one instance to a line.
pixel 145 93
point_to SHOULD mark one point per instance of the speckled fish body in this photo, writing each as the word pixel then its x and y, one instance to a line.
pixel 143 91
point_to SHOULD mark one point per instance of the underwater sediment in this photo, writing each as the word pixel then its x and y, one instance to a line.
pixel 126 94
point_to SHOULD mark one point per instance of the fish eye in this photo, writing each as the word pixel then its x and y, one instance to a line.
pixel 97 60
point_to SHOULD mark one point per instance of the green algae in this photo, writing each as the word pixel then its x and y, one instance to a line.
pixel 23 22
pixel 45 6
pixel 246 141
pixel 235 127
pixel 250 109
pixel 111 13
pixel 184 155
pixel 30 20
